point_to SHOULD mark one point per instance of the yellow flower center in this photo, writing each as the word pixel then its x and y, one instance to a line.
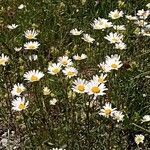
pixel 95 89
pixel 56 70
pixel 70 73
pixel 2 62
pixel 65 62
pixel 18 90
pixel 34 78
pixel 116 15
pixel 78 58
pixel 114 40
pixel 114 66
pixel 31 47
pixel 21 106
pixel 100 80
pixel 81 88
pixel 108 111
pixel 30 36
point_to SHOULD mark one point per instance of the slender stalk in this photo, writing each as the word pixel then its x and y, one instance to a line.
pixel 148 131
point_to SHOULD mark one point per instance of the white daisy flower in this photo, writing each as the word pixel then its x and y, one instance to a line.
pixel 53 101
pixel 46 91
pixel 117 115
pixel 21 6
pixel 12 26
pixel 129 17
pixel 76 32
pixel 19 104
pixel 146 30
pixel 107 110
pixel 88 38
pixel 33 57
pixel 33 75
pixel 54 68
pixel 146 118
pixel 114 37
pixel 94 88
pixel 139 139
pixel 31 34
pixel 143 14
pixel 79 85
pixel 17 49
pixel 101 23
pixel 104 67
pixel 119 27
pixel 18 89
pixel 77 57
pixel 70 72
pixel 116 14
pixel 65 61
pixel 141 23
pixel 148 5
pixel 120 46
pixel 31 45
pixel 100 79
pixel 3 59
pixel 113 62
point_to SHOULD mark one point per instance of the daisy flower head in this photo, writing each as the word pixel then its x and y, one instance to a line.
pixel 18 89
pixel 12 26
pixel 107 110
pixel 70 72
pixel 79 85
pixel 17 49
pixel 54 68
pixel 141 23
pixel 120 46
pixel 53 101
pixel 139 139
pixel 100 79
pixel 119 27
pixel 143 14
pixel 114 37
pixel 77 57
pixel 65 61
pixel 113 62
pixel 76 32
pixel 31 45
pixel 19 104
pixel 31 34
pixel 33 75
pixel 116 14
pixel 21 6
pixel 3 59
pixel 148 5
pixel 46 91
pixel 129 17
pixel 101 23
pixel 104 67
pixel 146 118
pixel 146 30
pixel 33 57
pixel 96 89
pixel 118 116
pixel 88 38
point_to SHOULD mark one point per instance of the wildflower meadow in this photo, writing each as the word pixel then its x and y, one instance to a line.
pixel 75 75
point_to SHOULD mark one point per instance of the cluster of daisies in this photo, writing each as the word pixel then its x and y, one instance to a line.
pixel 96 86
pixel 19 103
pixel 116 37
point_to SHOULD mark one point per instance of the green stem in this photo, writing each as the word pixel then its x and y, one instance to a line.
pixel 148 131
